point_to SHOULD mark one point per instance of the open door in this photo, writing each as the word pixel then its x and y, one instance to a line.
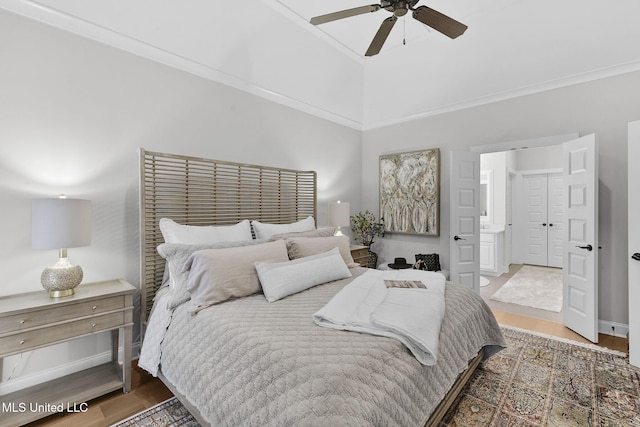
pixel 580 261
pixel 464 231
pixel 634 243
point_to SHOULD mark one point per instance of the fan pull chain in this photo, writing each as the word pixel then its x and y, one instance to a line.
pixel 404 30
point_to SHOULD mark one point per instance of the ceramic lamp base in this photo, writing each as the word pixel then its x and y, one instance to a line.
pixel 60 279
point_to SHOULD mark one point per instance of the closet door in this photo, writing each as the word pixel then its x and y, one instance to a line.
pixel 555 220
pixel 535 195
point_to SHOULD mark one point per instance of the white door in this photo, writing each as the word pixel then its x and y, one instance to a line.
pixel 555 220
pixel 465 219
pixel 535 193
pixel 634 243
pixel 580 261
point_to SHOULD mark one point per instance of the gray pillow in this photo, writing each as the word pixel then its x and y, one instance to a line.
pixel 177 255
pixel 299 247
pixel 217 275
pixel 320 232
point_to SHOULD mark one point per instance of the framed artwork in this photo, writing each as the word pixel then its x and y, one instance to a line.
pixel 410 192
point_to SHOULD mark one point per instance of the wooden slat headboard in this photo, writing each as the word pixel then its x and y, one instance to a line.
pixel 198 191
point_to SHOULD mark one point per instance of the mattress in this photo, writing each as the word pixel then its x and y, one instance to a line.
pixel 251 362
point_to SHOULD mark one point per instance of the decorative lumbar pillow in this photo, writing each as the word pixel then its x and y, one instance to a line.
pixel 176 269
pixel 217 275
pixel 282 279
pixel 264 231
pixel 200 234
pixel 320 232
pixel 299 247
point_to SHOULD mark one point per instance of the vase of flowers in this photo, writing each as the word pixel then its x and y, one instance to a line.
pixel 365 229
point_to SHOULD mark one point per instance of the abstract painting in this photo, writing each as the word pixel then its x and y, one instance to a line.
pixel 410 192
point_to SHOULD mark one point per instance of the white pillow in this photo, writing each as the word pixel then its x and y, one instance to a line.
pixel 281 279
pixel 201 234
pixel 265 231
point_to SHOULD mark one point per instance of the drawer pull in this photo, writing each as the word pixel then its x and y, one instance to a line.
pixel 21 342
pixel 22 322
pixel 93 325
pixel 94 307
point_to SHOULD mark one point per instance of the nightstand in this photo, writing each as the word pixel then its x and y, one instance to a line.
pixel 34 320
pixel 360 254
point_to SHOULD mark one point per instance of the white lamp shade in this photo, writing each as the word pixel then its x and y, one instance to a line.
pixel 60 223
pixel 339 214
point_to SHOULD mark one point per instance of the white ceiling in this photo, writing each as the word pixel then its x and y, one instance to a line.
pixel 268 47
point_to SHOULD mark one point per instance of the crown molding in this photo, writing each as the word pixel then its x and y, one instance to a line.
pixel 120 41
pixel 559 83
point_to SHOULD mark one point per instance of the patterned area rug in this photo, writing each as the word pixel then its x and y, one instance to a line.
pixel 533 286
pixel 537 381
pixel 169 413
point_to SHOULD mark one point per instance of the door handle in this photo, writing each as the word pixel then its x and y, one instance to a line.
pixel 456 238
pixel 636 256
pixel 588 247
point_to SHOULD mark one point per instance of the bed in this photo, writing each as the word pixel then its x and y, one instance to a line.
pixel 248 361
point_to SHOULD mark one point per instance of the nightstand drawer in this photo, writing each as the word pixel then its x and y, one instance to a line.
pixel 23 341
pixel 47 316
pixel 360 254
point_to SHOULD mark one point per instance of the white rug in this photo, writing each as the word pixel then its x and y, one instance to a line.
pixel 484 281
pixel 533 286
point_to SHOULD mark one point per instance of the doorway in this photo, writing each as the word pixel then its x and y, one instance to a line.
pixel 524 198
pixel 580 245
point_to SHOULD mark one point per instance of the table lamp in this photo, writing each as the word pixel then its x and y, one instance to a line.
pixel 60 224
pixel 339 216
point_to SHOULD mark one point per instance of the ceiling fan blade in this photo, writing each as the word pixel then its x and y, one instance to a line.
pixel 345 14
pixel 381 36
pixel 439 22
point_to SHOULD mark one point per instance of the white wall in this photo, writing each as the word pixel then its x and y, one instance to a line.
pixel 497 163
pixel 73 113
pixel 539 158
pixel 603 107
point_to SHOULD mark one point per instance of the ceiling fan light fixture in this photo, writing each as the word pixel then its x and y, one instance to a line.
pixel 400 8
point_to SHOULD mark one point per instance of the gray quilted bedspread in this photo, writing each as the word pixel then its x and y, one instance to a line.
pixel 248 362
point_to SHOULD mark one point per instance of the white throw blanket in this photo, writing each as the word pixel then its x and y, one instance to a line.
pixel 411 315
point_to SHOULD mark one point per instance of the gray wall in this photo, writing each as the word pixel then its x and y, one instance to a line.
pixel 603 107
pixel 73 113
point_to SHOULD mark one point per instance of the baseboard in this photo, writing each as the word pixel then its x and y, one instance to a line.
pixel 62 370
pixel 613 328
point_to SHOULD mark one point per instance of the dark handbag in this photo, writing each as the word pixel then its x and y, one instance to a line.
pixel 428 262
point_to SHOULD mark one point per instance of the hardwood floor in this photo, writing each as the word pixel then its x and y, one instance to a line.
pixel 147 391
pixel 558 330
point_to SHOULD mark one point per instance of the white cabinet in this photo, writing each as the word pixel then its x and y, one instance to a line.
pixel 487 252
pixel 492 251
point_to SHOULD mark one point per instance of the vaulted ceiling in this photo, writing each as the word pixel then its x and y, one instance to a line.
pixel 268 47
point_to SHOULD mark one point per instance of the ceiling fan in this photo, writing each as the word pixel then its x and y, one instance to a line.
pixel 436 20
